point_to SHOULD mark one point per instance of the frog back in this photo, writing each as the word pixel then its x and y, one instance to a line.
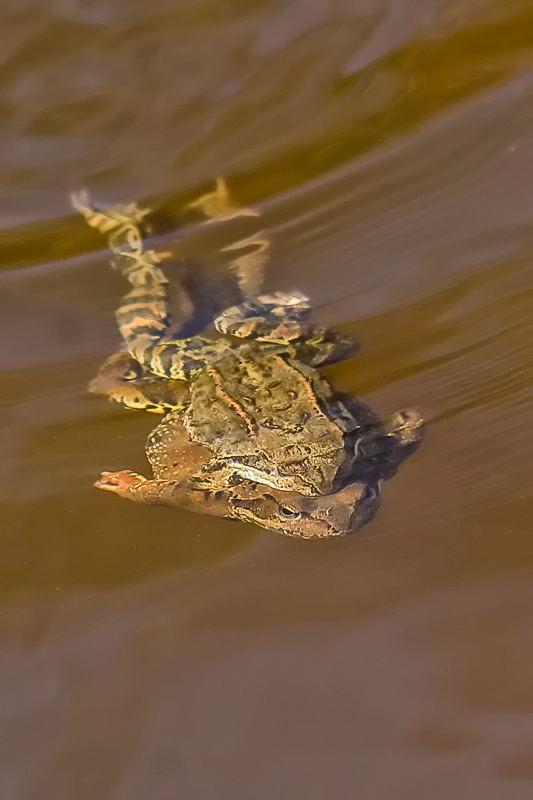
pixel 267 414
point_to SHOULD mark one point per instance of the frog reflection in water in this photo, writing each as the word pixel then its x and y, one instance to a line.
pixel 254 432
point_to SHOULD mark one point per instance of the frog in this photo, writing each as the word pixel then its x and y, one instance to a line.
pixel 258 418
pixel 262 411
pixel 177 461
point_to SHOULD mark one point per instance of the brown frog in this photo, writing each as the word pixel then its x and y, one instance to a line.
pixel 263 435
pixel 178 464
pixel 176 460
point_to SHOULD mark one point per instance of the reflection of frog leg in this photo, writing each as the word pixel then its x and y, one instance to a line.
pixel 135 487
pixel 218 204
pixel 249 265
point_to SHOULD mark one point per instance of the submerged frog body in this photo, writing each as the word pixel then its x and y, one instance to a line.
pixel 181 466
pixel 176 461
pixel 268 417
pixel 254 432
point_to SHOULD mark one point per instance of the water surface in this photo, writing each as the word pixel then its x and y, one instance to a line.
pixel 150 652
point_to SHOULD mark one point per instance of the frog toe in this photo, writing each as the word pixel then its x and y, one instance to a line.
pixel 119 482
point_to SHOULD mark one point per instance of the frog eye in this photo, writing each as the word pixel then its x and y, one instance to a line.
pixel 130 375
pixel 289 513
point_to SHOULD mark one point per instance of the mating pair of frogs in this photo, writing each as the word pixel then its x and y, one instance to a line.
pixel 252 430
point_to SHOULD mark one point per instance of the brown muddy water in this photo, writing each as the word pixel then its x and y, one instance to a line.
pixel 156 653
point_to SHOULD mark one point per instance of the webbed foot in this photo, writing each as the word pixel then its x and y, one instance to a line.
pixel 119 482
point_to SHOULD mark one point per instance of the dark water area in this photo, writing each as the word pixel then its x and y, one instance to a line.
pixel 156 653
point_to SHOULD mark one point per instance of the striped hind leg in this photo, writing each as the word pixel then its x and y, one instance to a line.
pixel 143 315
pixel 143 320
pixel 126 227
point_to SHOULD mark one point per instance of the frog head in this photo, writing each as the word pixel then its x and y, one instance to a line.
pixel 307 517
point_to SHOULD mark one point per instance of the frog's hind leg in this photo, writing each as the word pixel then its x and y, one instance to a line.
pixel 144 322
pixel 146 326
pixel 143 316
pixel 126 227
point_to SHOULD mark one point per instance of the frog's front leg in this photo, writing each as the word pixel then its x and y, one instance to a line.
pixel 125 483
pixel 133 486
pixel 143 315
pixel 325 346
